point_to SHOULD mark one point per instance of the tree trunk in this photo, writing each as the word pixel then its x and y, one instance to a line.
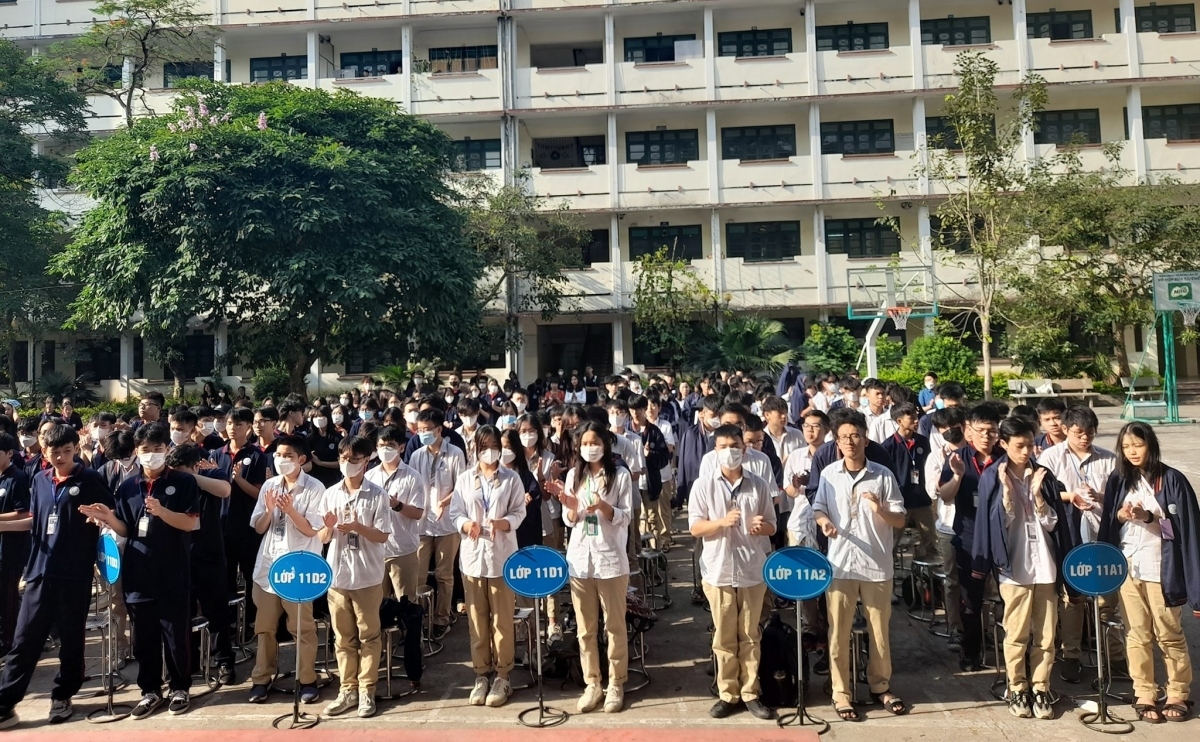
pixel 177 376
pixel 1121 351
pixel 298 373
pixel 985 336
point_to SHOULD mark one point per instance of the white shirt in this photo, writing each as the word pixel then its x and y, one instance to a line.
pixel 356 561
pixel 598 552
pixel 668 432
pixel 405 486
pixel 755 462
pixel 798 464
pixel 1029 561
pixel 579 397
pixel 628 446
pixel 801 524
pixel 733 557
pixel 791 440
pixel 480 500
pixel 308 497
pixel 441 471
pixel 933 473
pixel 862 549
pixel 880 428
pixel 1074 474
pixel 1141 543
pixel 551 508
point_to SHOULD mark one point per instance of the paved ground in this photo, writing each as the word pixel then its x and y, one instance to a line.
pixel 676 703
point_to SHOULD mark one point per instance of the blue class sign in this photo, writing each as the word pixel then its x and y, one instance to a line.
pixel 1095 569
pixel 300 576
pixel 798 573
pixel 536 572
pixel 108 558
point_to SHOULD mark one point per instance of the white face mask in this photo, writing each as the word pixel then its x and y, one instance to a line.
pixel 208 427
pixel 729 458
pixel 320 422
pixel 520 406
pixel 411 417
pixel 344 401
pixel 507 456
pixel 591 454
pixel 350 470
pixel 930 385
pixel 616 421
pixel 178 437
pixel 492 388
pixel 283 466
pixel 28 440
pixel 449 399
pixel 152 461
pixel 337 419
pixel 528 439
pixel 489 456
pixel 714 422
pixel 388 455
pixel 469 423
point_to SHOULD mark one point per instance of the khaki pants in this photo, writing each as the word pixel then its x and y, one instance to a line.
pixel 444 550
pixel 951 594
pixel 490 606
pixel 665 514
pixel 266 661
pixel 653 522
pixel 736 613
pixel 554 541
pixel 1151 620
pixel 404 575
pixel 1030 615
pixel 589 598
pixel 1070 625
pixel 355 618
pixel 842 597
pixel 925 522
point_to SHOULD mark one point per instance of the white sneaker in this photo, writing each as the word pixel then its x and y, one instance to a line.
pixel 480 692
pixel 366 705
pixel 498 695
pixel 615 700
pixel 345 701
pixel 60 711
pixel 592 695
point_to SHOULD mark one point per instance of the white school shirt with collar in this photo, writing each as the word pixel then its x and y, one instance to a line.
pixel 668 432
pixel 880 427
pixel 540 466
pixel 282 536
pixel 801 523
pixel 601 556
pixel 862 549
pixel 732 557
pixel 441 471
pixel 798 464
pixel 630 450
pixel 1093 471
pixel 791 440
pixel 1141 542
pixel 410 488
pixel 755 462
pixel 355 569
pixel 481 500
pixel 933 475
pixel 1029 561
pixel 469 452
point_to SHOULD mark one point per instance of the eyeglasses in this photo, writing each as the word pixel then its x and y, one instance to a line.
pixel 852 438
pixel 813 428
pixel 986 432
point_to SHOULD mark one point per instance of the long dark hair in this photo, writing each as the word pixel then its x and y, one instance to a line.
pixel 1154 466
pixel 519 462
pixel 606 460
pixel 531 418
pixel 485 435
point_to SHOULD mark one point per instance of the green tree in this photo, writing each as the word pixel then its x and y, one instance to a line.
pixel 942 353
pixel 889 353
pixel 830 349
pixel 748 343
pixel 668 298
pixel 114 56
pixel 310 222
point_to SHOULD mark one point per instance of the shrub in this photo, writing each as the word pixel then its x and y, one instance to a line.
pixel 943 354
pixel 830 349
pixel 271 381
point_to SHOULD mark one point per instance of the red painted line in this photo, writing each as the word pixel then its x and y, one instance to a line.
pixel 367 734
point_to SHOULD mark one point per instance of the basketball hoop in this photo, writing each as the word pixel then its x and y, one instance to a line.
pixel 899 316
pixel 1191 310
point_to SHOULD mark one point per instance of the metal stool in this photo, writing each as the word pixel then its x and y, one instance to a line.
pixel 938 589
pixel 203 640
pixel 921 608
pixel 524 617
pixel 653 566
pixel 325 675
pixel 425 598
pixel 246 652
pixel 104 629
pixel 995 626
pixel 637 654
pixel 860 653
pixel 390 635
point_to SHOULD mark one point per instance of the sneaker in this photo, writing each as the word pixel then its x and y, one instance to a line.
pixel 955 640
pixel 366 705
pixel 60 711
pixel 309 694
pixel 1043 706
pixel 1019 704
pixel 969 664
pixel 555 634
pixel 226 675
pixel 759 709
pixel 1069 670
pixel 181 701
pixel 148 705
pixel 721 709
pixel 821 666
pixel 479 693
pixel 439 631
pixel 258 694
pixel 345 701
pixel 8 718
pixel 590 699
pixel 614 700
pixel 498 695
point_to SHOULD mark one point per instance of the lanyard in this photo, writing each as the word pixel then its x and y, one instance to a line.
pixel 485 493
pixel 1080 473
pixel 732 491
pixel 909 448
pixel 975 462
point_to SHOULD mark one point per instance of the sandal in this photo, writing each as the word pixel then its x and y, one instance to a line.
pixel 1183 711
pixel 1143 711
pixel 847 713
pixel 891 702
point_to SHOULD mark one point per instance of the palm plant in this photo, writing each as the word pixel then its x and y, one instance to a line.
pixel 750 343
pixel 395 377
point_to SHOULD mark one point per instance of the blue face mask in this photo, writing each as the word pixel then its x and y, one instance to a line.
pixel 427 438
pixel 366 415
pixel 939 404
pixel 507 421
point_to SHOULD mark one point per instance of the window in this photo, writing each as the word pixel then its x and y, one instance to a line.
pixel 1073 24
pixel 773 42
pixel 1061 127
pixel 173 72
pixel 860 238
pixel 463 58
pixel 48 356
pixel 662 147
pixel 758 142
pixel 654 48
pixel 1162 18
pixel 956 31
pixel 1172 123
pixel 941 135
pixel 478 154
pixel 266 69
pixel 852 37
pixel 365 361
pixel 373 63
pixel 199 357
pixel 757 242
pixel 568 152
pixel 99 359
pixel 857 137
pixel 954 238
pixel 683 243
pixel 20 369
pixel 597 249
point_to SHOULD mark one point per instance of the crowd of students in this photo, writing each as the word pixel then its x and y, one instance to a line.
pixel 439 485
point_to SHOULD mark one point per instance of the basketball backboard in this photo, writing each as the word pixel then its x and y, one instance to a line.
pixel 873 290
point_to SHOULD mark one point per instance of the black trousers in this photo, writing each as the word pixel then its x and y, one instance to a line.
pixel 10 606
pixel 211 592
pixel 241 551
pixel 971 589
pixel 48 602
pixel 162 627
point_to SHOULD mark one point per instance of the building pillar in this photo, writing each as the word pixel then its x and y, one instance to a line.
pixel 718 258
pixel 1137 131
pixel 710 56
pixel 406 72
pixel 618 344
pixel 810 47
pixel 814 148
pixel 614 163
pixel 126 364
pixel 821 258
pixel 314 58
pixel 921 142
pixel 914 42
pixel 1129 28
pixel 610 58
pixel 714 156
pixel 1022 37
pixel 219 60
pixel 616 264
pixel 925 236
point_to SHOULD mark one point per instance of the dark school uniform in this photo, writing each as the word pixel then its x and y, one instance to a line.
pixel 529 533
pixel 14 552
pixel 212 442
pixel 324 448
pixel 907 463
pixel 241 540
pixel 966 505
pixel 210 589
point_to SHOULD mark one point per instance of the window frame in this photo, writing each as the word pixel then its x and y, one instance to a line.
pixel 661 134
pixel 885 238
pixel 481 148
pixel 930 30
pixel 860 128
pixel 762 150
pixel 686 242
pixel 379 59
pixel 763 242
pixel 828 37
pixel 295 61
pixel 1144 15
pixel 465 58
pixel 735 40
pixel 663 42
pixel 1049 18
pixel 1186 122
pixel 598 248
pixel 169 76
pixel 1040 136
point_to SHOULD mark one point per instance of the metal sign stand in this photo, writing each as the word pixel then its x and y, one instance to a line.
pixel 299 719
pixel 801 717
pixel 1102 720
pixel 537 572
pixel 109 713
pixel 548 716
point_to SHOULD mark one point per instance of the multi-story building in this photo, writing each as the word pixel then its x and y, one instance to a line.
pixel 756 137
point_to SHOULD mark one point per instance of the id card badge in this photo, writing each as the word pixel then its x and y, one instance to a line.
pixel 277 529
pixel 591 525
pixel 352 541
pixel 975 501
pixel 52 524
pixel 1031 532
pixel 915 476
pixel 143 526
pixel 1167 530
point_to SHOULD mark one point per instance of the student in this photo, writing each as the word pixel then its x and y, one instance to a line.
pixel 14 538
pixel 908 451
pixel 156 511
pixel 733 512
pixel 1083 469
pixel 654 456
pixel 248 468
pixel 1050 411
pixel 31 434
pixel 149 409
pixel 440 463
pixel 91 440
pixel 487 506
pixel 266 420
pixel 858 506
pixel 58 576
pixel 468 416
pixel 1150 513
pixel 291 418
pixel 876 410
pixel 654 416
pixel 694 442
pixel 356 525
pixel 1022 534
pixel 529 533
pixel 926 398
pixel 598 505
pixel 408 494
pixel 830 451
pixel 796 472
pixel 289 515
pixel 48 411
pixel 949 394
pixel 948 425
pixel 782 439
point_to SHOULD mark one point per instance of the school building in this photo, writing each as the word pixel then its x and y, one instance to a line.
pixel 755 137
